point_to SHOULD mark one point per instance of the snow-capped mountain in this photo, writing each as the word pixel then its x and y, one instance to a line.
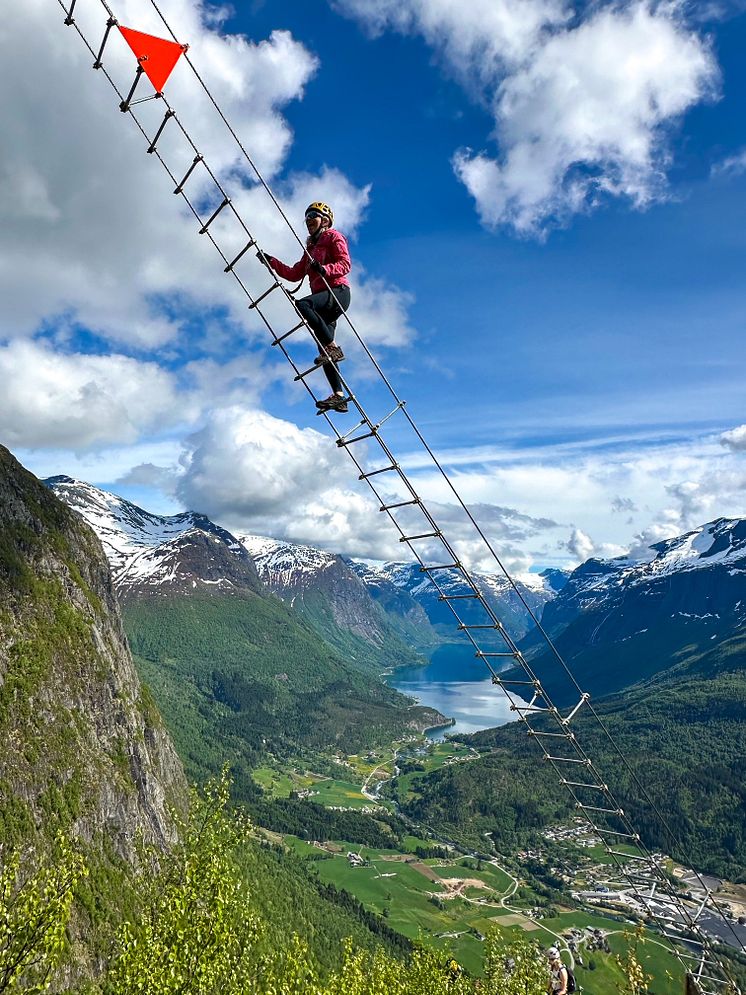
pixel 327 589
pixel 390 581
pixel 159 554
pixel 619 621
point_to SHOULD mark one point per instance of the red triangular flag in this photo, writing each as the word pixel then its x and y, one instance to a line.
pixel 157 56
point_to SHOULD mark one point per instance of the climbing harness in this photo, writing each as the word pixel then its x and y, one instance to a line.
pixel 681 923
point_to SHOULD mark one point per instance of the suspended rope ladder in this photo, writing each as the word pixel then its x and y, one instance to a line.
pixel 683 921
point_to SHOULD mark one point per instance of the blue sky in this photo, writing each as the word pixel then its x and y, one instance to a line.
pixel 564 312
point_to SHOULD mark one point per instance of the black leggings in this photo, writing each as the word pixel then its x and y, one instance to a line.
pixel 321 312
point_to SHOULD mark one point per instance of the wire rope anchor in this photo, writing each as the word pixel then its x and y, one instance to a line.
pixel 111 23
pixel 226 201
pixel 167 117
pixel 197 159
pixel 69 19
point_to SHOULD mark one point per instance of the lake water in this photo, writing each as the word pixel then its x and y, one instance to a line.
pixel 454 682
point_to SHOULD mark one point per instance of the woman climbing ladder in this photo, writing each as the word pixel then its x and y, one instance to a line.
pixel 327 261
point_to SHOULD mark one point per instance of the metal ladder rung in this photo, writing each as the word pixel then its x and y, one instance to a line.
pixel 398 504
pixel 229 269
pixel 373 473
pixel 549 735
pixel 699 960
pixel 422 535
pixel 651 882
pixel 111 23
pixel 584 784
pixel 660 916
pixel 69 18
pixel 440 566
pixel 226 201
pixel 603 811
pixel 305 373
pixel 295 328
pixel 517 684
pixel 358 438
pixel 559 760
pixel 614 832
pixel 684 939
pixel 197 159
pixel 125 104
pixel 458 597
pixel 630 856
pixel 465 627
pixel 481 654
pixel 168 115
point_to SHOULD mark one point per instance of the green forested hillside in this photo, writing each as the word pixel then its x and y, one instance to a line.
pixel 88 772
pixel 396 646
pixel 239 676
pixel 684 741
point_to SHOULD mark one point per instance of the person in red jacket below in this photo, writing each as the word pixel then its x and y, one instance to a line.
pixel 327 259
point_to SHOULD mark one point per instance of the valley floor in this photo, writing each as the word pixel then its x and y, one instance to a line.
pixel 450 900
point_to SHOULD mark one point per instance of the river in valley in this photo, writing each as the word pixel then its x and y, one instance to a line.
pixel 454 682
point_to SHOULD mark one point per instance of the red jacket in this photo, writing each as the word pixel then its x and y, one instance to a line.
pixel 331 251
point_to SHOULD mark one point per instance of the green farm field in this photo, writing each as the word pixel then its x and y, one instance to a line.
pixel 413 897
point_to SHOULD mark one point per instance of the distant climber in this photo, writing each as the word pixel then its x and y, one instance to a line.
pixel 327 258
pixel 558 974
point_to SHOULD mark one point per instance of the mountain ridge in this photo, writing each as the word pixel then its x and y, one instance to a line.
pixel 616 622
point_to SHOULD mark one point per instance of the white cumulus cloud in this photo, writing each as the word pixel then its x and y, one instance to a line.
pixel 583 104
pixel 735 439
pixel 256 473
pixel 50 399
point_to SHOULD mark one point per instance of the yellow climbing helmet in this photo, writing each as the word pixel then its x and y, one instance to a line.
pixel 322 209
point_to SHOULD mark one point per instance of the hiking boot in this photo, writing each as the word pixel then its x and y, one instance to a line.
pixel 331 353
pixel 335 402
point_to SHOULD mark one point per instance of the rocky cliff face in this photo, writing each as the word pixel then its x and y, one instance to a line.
pixel 82 747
